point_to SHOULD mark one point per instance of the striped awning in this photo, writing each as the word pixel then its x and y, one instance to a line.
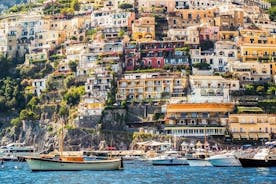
pixel 253 135
pixel 244 136
pixel 263 135
pixel 236 136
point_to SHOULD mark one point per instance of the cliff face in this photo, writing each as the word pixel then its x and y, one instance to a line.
pixel 44 134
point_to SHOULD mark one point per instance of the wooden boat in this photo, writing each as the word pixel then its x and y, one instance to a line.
pixel 73 164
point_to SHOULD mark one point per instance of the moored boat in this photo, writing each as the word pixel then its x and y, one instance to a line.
pixel 199 159
pixel 227 159
pixel 169 158
pixel 264 158
pixel 199 162
pixel 16 151
pixel 73 164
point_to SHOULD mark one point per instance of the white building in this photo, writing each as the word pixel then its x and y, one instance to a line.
pixel 211 89
pixel 39 85
pixel 198 4
pixel 110 18
pixel 217 59
pixel 98 86
pixel 190 35
pixel 251 71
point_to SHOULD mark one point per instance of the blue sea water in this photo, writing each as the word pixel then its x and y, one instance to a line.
pixel 140 173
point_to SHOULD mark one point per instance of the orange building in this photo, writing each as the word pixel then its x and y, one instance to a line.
pixel 197 119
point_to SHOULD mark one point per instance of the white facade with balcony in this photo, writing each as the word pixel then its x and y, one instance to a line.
pixel 211 89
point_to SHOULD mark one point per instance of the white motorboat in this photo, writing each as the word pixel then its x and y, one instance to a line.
pixel 169 158
pixel 199 162
pixel 73 164
pixel 227 159
pixel 199 159
pixel 15 150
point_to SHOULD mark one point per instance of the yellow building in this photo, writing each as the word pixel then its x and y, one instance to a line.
pixel 228 35
pixel 194 14
pixel 143 29
pixel 257 45
pixel 154 86
pixel 197 119
pixel 252 126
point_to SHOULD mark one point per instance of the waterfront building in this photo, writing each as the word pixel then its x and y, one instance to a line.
pixel 151 86
pixel 197 119
pixel 252 126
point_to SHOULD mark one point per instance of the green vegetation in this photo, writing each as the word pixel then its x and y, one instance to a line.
pixel 111 96
pixel 125 6
pixel 10 94
pixel 22 8
pixel 65 7
pixel 249 109
pixel 73 95
pixel 272 10
pixel 202 66
pixel 37 71
pixel 269 106
pixel 260 89
pixel 73 66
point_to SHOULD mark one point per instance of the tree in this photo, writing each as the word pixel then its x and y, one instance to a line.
pixel 202 66
pixel 69 81
pixel 27 114
pixel 16 122
pixel 260 89
pixel 63 110
pixel 272 13
pixel 73 66
pixel 75 5
pixel 32 104
pixel 73 95
pixel 271 90
pixel 121 33
pixel 125 6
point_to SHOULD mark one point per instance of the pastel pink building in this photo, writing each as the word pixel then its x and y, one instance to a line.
pixel 209 33
pixel 154 62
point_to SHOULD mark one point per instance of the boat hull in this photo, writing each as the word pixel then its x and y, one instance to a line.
pixel 225 162
pixel 247 162
pixel 199 163
pixel 38 164
pixel 169 162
